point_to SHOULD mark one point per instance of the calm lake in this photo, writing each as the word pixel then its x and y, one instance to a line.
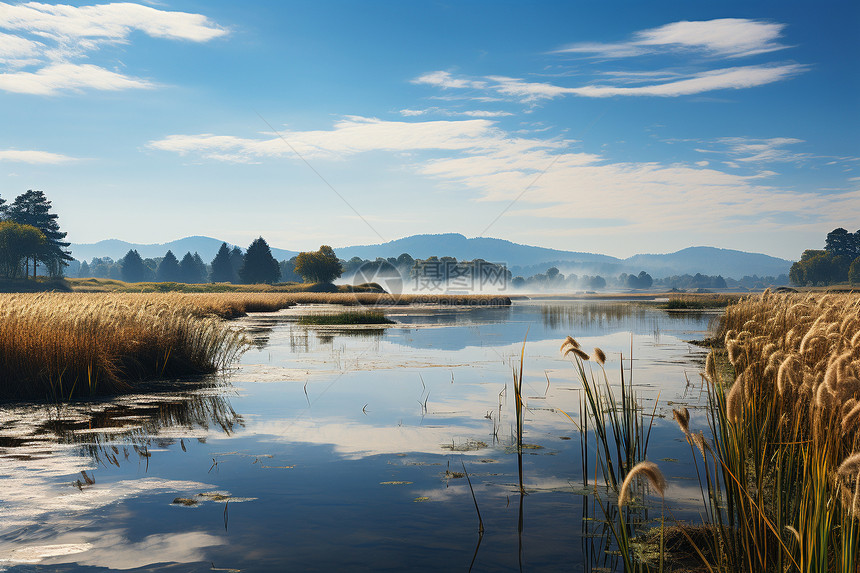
pixel 344 450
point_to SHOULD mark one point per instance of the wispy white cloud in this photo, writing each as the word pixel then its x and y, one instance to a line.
pixel 497 166
pixel 727 37
pixel 751 150
pixel 724 38
pixel 354 135
pixel 452 113
pixel 728 78
pixel 762 150
pixel 444 79
pixel 106 21
pixel 55 78
pixel 33 156
pixel 17 51
pixel 40 54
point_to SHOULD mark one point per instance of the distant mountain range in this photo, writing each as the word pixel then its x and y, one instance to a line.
pixel 207 247
pixel 521 259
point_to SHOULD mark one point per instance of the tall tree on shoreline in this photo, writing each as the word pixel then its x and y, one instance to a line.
pixel 222 268
pixel 320 266
pixel 17 244
pixel 192 269
pixel 133 270
pixel 237 259
pixel 259 266
pixel 168 269
pixel 33 208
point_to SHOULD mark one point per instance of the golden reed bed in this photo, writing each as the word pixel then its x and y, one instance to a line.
pixel 57 345
pixel 787 445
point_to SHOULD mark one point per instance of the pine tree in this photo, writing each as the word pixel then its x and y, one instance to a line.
pixel 222 268
pixel 190 271
pixel 259 266
pixel 84 271
pixel 33 208
pixel 202 269
pixel 168 269
pixel 237 259
pixel 133 270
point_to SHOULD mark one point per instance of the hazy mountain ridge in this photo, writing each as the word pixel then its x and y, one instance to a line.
pixel 458 246
pixel 518 257
pixel 207 247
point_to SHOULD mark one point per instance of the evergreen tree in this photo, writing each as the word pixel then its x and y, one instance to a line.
pixel 168 269
pixel 237 259
pixel 202 269
pixel 3 208
pixel 151 268
pixel 259 266
pixel 132 268
pixel 190 271
pixel 222 267
pixel 84 271
pixel 33 208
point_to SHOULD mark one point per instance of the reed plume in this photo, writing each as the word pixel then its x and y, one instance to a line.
pixel 682 417
pixel 650 471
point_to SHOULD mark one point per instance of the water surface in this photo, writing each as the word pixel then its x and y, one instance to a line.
pixel 344 449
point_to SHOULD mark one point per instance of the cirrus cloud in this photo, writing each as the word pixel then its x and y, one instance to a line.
pixel 34 157
pixel 727 37
pixel 740 77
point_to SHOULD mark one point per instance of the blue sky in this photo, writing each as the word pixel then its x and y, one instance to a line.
pixel 611 127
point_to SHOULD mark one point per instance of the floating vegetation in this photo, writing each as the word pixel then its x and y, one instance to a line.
pixel 467 446
pixel 699 302
pixel 345 318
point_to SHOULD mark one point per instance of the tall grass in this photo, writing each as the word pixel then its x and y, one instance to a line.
pixel 619 437
pixel 60 345
pixel 784 457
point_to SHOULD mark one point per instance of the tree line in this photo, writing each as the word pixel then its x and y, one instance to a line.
pixel 838 262
pixel 30 234
pixel 553 279
pixel 255 265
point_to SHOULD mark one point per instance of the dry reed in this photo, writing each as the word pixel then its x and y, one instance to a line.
pixel 57 345
pixel 648 470
pixel 785 439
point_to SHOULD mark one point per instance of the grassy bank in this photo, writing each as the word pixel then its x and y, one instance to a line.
pixel 58 345
pixel 111 285
pixel 40 284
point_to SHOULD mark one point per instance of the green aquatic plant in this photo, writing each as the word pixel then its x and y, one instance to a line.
pixel 346 318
